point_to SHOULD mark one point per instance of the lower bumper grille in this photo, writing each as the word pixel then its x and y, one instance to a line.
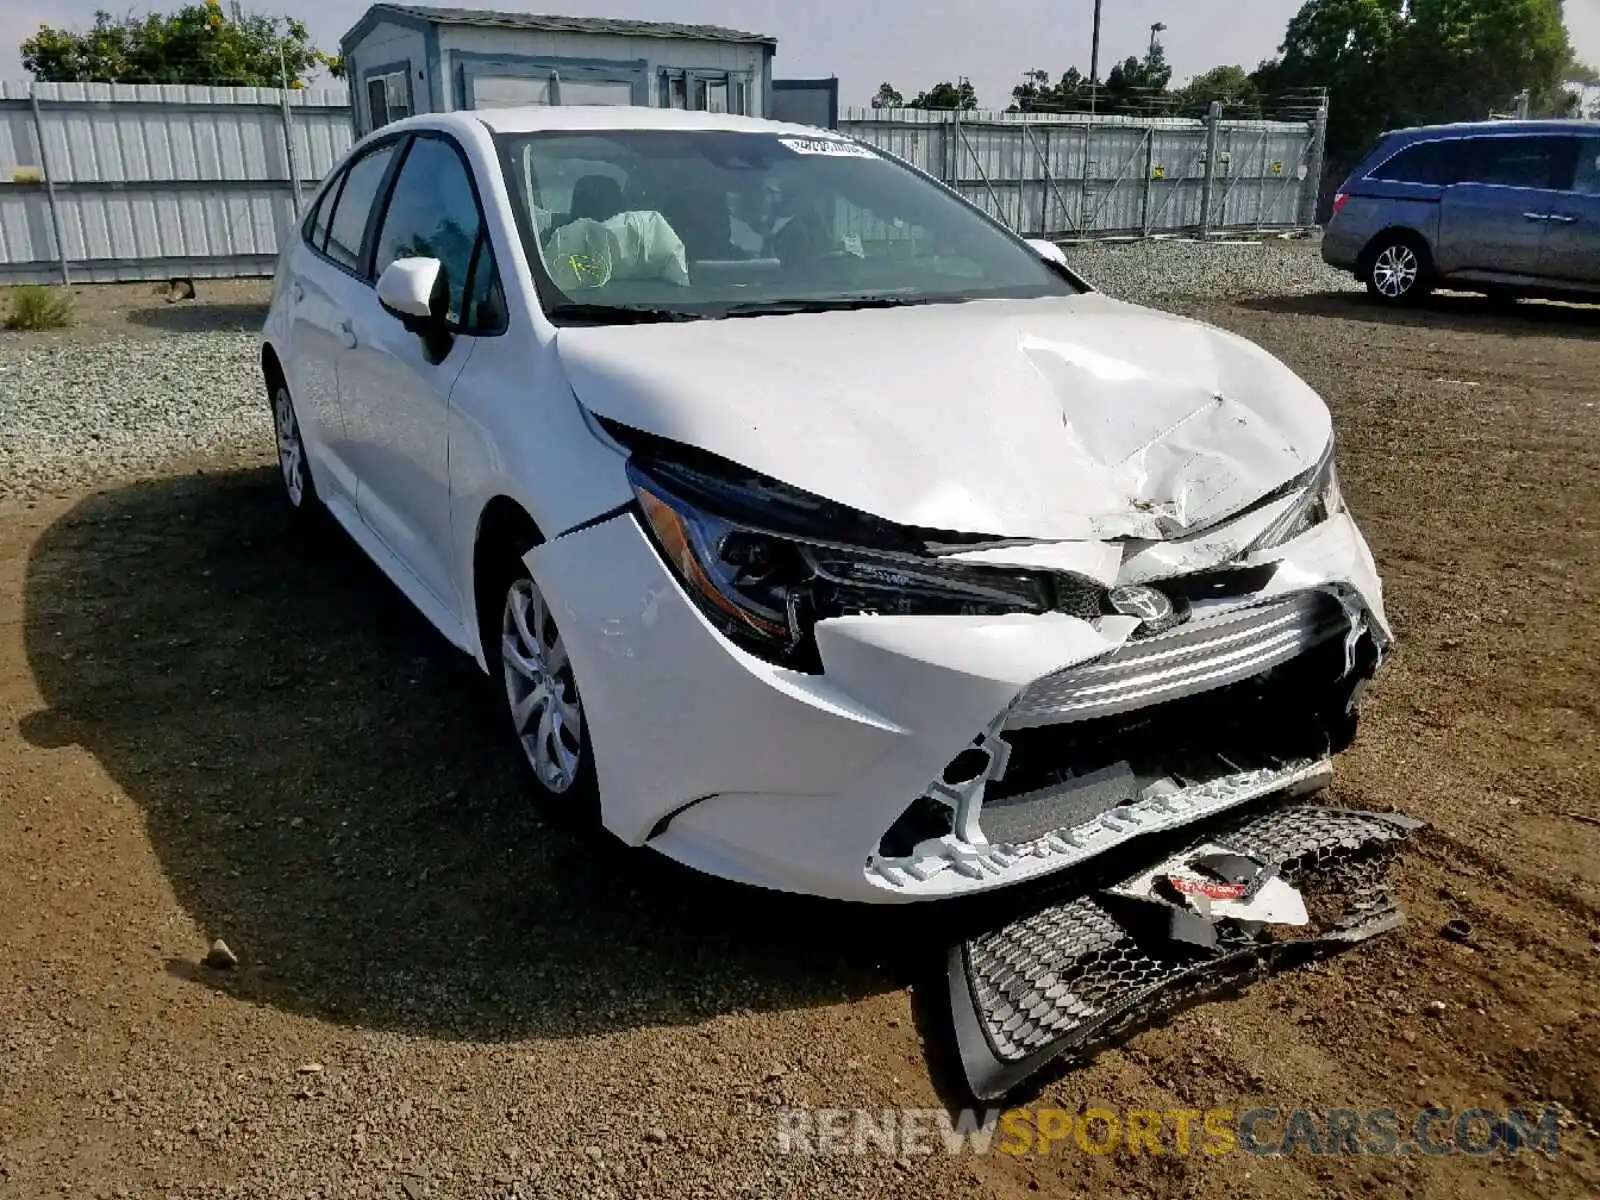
pixel 1209 652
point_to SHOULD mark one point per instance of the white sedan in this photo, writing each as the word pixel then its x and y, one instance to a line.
pixel 818 532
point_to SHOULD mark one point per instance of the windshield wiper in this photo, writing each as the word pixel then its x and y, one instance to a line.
pixel 619 314
pixel 765 308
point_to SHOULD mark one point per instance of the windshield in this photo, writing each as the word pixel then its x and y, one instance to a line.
pixel 629 225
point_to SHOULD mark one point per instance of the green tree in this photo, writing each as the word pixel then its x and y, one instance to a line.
pixel 1467 59
pixel 1037 94
pixel 961 95
pixel 1138 83
pixel 1231 86
pixel 1391 63
pixel 887 96
pixel 195 44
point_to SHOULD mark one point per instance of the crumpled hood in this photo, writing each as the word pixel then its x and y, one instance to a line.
pixel 1077 418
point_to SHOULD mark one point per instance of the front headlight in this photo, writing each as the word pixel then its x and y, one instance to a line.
pixel 765 562
pixel 1319 498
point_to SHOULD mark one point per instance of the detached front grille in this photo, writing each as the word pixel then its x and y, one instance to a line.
pixel 1208 652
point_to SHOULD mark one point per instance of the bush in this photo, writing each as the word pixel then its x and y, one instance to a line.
pixel 35 306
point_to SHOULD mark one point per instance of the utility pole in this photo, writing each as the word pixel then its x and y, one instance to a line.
pixel 289 155
pixel 1094 59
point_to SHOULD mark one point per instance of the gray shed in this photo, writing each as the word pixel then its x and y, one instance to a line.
pixel 402 59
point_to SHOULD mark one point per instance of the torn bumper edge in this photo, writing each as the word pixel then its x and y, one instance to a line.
pixel 772 777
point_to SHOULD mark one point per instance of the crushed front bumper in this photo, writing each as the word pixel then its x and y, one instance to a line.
pixel 936 756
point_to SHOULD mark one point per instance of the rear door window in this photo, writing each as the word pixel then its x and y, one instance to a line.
pixel 1544 162
pixel 348 226
pixel 1439 164
pixel 316 225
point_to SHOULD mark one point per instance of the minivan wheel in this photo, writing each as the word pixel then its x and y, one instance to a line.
pixel 1397 271
pixel 542 700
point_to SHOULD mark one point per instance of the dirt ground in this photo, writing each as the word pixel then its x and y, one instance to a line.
pixel 123 310
pixel 211 726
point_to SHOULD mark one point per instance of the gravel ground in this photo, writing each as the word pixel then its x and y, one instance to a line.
pixel 140 383
pixel 1154 272
pixel 75 411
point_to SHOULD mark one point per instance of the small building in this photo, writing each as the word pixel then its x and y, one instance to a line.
pixel 402 59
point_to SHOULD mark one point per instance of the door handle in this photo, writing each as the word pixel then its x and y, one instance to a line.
pixel 1536 216
pixel 297 291
pixel 1563 218
pixel 347 334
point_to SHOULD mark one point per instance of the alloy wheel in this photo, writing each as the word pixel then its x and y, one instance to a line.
pixel 1395 271
pixel 540 688
pixel 291 450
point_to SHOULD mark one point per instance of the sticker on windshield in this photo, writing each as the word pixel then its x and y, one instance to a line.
pixel 829 146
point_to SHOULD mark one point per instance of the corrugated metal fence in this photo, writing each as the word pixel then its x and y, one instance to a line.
pixel 1077 175
pixel 156 181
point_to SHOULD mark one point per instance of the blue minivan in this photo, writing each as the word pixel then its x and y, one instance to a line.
pixel 1507 208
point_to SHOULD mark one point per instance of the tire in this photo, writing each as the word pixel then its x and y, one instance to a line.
pixel 295 471
pixel 1398 269
pixel 522 640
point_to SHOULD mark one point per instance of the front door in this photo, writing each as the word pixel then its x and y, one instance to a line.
pixel 396 394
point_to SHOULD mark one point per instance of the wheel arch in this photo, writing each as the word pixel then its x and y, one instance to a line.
pixel 271 366
pixel 503 528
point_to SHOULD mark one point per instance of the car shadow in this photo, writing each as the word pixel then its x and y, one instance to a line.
pixel 322 779
pixel 202 316
pixel 1443 310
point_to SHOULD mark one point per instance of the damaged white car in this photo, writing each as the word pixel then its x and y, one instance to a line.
pixel 821 533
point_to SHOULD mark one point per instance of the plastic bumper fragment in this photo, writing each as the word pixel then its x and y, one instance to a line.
pixel 1073 974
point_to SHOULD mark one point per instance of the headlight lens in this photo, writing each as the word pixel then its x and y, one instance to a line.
pixel 746 556
pixel 1319 498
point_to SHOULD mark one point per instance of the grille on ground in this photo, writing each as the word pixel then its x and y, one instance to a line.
pixel 1067 978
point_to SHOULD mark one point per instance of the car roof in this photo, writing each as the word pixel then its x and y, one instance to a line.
pixel 1472 128
pixel 535 118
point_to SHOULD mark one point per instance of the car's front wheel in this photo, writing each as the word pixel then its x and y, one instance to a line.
pixel 543 701
pixel 1398 270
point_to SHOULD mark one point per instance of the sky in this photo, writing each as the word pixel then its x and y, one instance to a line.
pixel 910 43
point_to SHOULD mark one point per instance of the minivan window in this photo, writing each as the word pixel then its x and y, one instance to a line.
pixel 1524 161
pixel 1438 163
pixel 354 206
pixel 1587 177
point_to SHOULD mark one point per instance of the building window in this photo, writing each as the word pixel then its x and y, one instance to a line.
pixel 508 85
pixel 512 91
pixel 703 91
pixel 389 97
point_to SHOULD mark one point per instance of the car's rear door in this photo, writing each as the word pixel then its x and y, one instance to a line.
pixel 1495 220
pixel 325 287
pixel 1572 248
